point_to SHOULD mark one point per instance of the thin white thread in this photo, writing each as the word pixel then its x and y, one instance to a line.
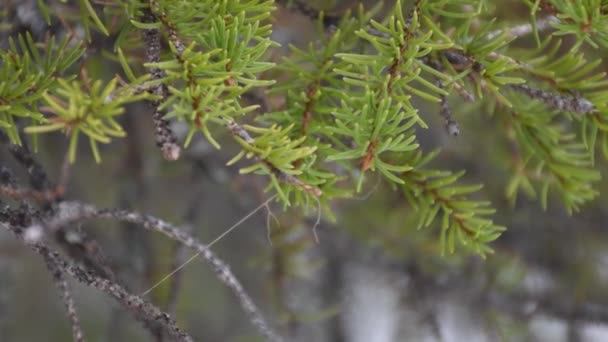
pixel 226 232
pixel 269 216
pixel 371 191
pixel 318 221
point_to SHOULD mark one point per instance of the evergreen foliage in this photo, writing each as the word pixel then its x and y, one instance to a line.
pixel 348 109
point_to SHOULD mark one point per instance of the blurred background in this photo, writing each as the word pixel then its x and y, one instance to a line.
pixel 371 278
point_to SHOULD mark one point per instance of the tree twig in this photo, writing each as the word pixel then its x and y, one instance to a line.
pixel 165 139
pixel 72 212
pixel 577 104
pixel 135 304
pixel 66 296
pixel 238 131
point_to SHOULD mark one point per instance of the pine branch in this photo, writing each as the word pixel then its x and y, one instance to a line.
pixel 578 105
pixel 585 20
pixel 233 127
pixel 238 131
pixel 393 74
pixel 461 217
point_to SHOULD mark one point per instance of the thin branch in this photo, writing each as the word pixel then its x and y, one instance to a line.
pixel 451 125
pixel 173 36
pixel 138 306
pixel 527 28
pixel 79 247
pixel 83 250
pixel 209 245
pixel 165 139
pixel 66 296
pixel 240 132
pixel 43 189
pixel 72 212
pixel 577 104
pixel 38 177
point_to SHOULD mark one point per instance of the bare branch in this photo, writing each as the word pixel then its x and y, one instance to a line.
pixel 138 306
pixel 72 212
pixel 577 104
pixel 527 28
pixel 445 111
pixel 66 295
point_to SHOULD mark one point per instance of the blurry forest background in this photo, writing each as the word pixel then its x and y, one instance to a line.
pixel 371 278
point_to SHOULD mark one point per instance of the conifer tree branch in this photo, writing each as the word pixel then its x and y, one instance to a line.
pixel 238 131
pixel 165 139
pixel 393 74
pixel 73 212
pixel 353 94
pixel 550 163
pixel 393 70
pixel 577 104
pixel 233 127
pixel 444 201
